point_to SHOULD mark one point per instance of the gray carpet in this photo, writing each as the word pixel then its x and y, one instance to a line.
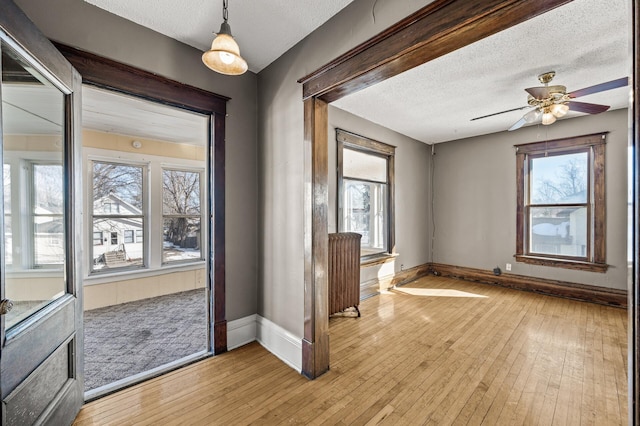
pixel 134 337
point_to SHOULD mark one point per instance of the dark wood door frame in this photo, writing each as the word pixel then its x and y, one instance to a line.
pixel 437 29
pixel 108 74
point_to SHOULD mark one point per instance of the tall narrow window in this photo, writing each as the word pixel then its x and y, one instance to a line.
pixel 8 231
pixel 561 219
pixel 365 187
pixel 181 200
pixel 47 218
pixel 118 211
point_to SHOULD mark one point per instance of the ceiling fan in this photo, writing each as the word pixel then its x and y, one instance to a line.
pixel 552 102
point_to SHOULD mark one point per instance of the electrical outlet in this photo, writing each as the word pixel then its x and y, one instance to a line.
pixel 507 267
pixel 402 267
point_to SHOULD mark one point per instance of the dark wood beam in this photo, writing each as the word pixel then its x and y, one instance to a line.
pixel 109 74
pixel 315 344
pixel 435 30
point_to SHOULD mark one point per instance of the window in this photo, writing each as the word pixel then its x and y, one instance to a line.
pixel 561 209
pixel 97 238
pixel 34 239
pixel 365 192
pixel 118 207
pixel 47 220
pixel 8 233
pixel 139 236
pixel 128 236
pixel 181 215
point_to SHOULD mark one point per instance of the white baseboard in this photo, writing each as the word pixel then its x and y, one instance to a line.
pixel 241 331
pixel 280 342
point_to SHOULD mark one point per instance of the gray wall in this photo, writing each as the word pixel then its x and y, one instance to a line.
pixel 412 206
pixel 87 27
pixel 475 199
pixel 281 160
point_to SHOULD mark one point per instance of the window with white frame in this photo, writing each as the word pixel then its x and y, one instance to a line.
pixel 118 194
pixel 8 230
pixel 97 238
pixel 181 215
pixel 365 187
pixel 34 240
pixel 47 214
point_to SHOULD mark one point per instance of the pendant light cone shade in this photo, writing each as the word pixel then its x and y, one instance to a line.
pixel 224 55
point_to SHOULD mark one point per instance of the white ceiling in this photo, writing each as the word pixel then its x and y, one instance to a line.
pixel 282 22
pixel 585 42
pixel 111 112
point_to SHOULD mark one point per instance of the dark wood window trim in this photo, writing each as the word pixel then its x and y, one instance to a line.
pixel 594 144
pixel 109 74
pixel 366 145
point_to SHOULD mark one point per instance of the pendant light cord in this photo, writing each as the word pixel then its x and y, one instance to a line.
pixel 225 12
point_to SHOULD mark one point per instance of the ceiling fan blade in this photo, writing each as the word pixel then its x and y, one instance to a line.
pixel 588 108
pixel 518 124
pixel 538 92
pixel 501 112
pixel 613 84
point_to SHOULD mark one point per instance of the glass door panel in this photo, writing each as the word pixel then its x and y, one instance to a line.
pixel 33 183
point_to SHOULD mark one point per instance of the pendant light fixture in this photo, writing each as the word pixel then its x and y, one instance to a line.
pixel 224 55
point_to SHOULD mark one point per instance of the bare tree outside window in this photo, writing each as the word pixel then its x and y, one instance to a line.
pixel 181 216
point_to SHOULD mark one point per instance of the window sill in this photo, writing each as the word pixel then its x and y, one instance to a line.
pixel 563 263
pixel 34 273
pixel 106 277
pixel 377 259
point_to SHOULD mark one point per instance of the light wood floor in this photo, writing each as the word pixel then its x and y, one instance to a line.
pixel 438 351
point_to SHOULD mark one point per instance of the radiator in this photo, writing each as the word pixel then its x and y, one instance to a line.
pixel 344 271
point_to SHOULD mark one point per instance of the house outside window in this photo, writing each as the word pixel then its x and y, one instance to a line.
pixel 366 193
pixel 118 194
pixel 181 215
pixel 561 205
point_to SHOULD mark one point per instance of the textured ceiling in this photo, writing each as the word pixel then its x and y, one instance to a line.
pixel 263 29
pixel 585 42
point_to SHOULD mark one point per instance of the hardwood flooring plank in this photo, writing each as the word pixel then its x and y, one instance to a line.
pixel 493 356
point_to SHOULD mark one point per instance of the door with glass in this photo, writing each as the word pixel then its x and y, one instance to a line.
pixel 41 316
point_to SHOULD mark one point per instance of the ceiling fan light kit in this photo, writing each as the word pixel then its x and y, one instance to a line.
pixel 224 55
pixel 552 102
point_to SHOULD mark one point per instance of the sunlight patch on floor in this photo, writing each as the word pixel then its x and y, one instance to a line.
pixel 436 292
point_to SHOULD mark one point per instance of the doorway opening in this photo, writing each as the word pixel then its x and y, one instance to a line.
pixel 145 227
